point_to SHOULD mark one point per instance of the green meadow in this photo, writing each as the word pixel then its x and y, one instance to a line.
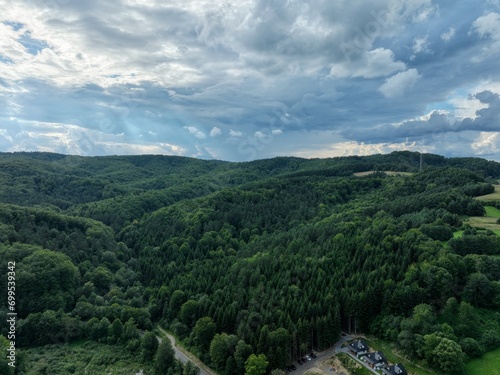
pixel 488 364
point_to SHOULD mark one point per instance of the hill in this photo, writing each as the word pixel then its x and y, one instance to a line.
pixel 270 257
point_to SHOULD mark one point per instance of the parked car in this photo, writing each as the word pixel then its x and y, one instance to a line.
pixel 307 357
pixel 300 362
pixel 313 355
pixel 293 367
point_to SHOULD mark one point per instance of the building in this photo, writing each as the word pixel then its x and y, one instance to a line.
pixel 397 369
pixel 358 347
pixel 375 360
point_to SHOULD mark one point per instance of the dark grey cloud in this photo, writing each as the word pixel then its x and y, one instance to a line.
pixel 487 120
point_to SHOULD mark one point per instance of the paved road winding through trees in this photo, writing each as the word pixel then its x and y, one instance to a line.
pixel 183 355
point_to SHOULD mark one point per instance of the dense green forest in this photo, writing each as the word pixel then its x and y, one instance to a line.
pixel 250 264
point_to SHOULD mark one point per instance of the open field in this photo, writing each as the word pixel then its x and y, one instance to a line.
pixel 495 196
pixel 484 222
pixel 492 211
pixel 389 173
pixel 487 222
pixel 489 364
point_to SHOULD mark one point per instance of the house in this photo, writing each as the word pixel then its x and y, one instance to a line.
pixel 375 360
pixel 358 348
pixel 397 369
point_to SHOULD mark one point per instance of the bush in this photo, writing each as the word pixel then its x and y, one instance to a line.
pixel 471 347
pixel 490 340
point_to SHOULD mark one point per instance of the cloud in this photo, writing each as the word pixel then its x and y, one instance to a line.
pixel 75 139
pixel 487 144
pixel 235 133
pixel 185 73
pixel 396 85
pixel 421 45
pixel 215 131
pixel 376 63
pixel 448 35
pixel 485 119
pixel 262 135
pixel 197 133
pixel 488 25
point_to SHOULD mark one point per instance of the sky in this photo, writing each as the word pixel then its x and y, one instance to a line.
pixel 244 80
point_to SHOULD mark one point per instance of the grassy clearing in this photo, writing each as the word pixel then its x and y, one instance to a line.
pixel 492 211
pixel 489 364
pixel 390 353
pixel 458 234
pixel 495 196
pixel 487 222
pixel 484 222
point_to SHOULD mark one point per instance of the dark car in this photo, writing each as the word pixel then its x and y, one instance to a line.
pixel 300 362
pixel 293 367
pixel 313 355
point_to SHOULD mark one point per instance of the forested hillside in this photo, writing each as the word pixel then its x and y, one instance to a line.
pixel 272 257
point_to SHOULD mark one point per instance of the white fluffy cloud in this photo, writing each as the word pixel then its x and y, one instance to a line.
pixel 379 62
pixel 235 133
pixel 215 131
pixel 196 132
pixel 488 25
pixel 399 83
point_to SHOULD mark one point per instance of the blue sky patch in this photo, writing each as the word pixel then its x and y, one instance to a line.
pixel 33 46
pixel 5 59
pixel 16 26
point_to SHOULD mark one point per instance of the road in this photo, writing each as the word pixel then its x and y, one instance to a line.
pixel 183 355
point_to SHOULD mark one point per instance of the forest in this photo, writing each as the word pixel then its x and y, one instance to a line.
pixel 251 265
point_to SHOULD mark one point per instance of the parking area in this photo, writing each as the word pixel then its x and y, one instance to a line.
pixel 323 363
